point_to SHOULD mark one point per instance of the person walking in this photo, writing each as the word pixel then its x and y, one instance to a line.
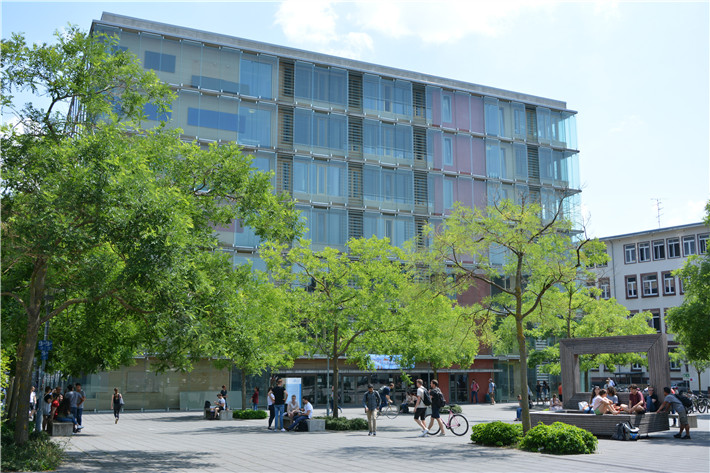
pixel 492 391
pixel 223 392
pixel 116 403
pixel 672 401
pixel 545 390
pixel 474 391
pixel 81 397
pixel 33 403
pixel 371 401
pixel 270 406
pixel 420 407
pixel 279 402
pixel 435 406
pixel 255 399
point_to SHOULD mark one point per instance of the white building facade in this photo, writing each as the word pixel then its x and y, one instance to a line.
pixel 639 276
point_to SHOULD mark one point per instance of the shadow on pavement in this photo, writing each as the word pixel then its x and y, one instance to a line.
pixel 130 459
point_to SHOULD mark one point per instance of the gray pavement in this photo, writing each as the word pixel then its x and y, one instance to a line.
pixel 182 441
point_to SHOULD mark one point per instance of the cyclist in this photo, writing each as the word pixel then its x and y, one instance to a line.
pixel 385 398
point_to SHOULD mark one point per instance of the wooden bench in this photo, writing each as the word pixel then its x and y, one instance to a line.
pixel 60 429
pixel 692 420
pixel 603 425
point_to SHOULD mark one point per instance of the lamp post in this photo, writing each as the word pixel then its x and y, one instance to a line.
pixel 39 415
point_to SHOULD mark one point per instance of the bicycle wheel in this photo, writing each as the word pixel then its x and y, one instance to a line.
pixel 459 425
pixel 702 406
pixel 434 426
pixel 392 411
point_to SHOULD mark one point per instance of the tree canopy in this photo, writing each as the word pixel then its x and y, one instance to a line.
pixel 112 221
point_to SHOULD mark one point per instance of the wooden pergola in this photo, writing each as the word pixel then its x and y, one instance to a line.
pixel 655 346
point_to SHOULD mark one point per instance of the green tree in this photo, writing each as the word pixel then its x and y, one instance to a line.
pixel 516 252
pixel 354 303
pixel 689 321
pixel 101 213
pixel 681 356
pixel 572 310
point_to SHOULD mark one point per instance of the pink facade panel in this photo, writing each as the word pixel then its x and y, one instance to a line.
pixel 463 112
pixel 477 114
pixel 448 110
pixel 480 197
pixel 435 148
pixel 463 154
pixel 435 106
pixel 449 197
pixel 478 156
pixel 465 191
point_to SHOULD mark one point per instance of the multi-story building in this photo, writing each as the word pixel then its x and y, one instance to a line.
pixel 363 149
pixel 639 276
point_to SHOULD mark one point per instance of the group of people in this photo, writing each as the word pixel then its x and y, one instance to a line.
pixel 475 387
pixel 278 408
pixel 60 407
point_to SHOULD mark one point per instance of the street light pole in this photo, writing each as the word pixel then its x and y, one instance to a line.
pixel 39 414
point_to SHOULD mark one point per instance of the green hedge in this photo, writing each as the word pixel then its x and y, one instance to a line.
pixel 559 439
pixel 39 453
pixel 497 434
pixel 249 414
pixel 343 423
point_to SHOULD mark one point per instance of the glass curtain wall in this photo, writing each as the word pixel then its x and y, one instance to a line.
pixel 320 181
pixel 388 189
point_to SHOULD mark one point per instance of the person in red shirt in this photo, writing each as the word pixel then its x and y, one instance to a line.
pixel 636 402
pixel 559 390
pixel 56 399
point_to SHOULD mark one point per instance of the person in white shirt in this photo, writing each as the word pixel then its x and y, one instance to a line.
pixel 270 406
pixel 293 407
pixel 305 413
pixel 219 406
pixel 602 405
pixel 420 408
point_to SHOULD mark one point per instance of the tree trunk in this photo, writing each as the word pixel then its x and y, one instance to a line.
pixel 335 372
pixel 23 376
pixel 244 390
pixel 523 373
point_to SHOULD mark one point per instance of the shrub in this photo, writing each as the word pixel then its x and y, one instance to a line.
pixel 358 424
pixel 249 414
pixel 559 439
pixel 343 423
pixel 445 410
pixel 39 453
pixel 498 434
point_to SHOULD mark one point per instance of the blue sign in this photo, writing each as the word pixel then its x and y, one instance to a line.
pixel 386 362
pixel 45 355
pixel 45 345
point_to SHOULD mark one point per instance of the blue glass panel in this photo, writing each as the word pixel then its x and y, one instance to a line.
pixel 370 130
pixel 302 80
pixel 212 119
pixel 151 111
pixel 255 125
pixel 300 176
pixel 493 158
pixel 370 92
pixel 159 62
pixel 256 77
pixel 302 128
pixel 492 117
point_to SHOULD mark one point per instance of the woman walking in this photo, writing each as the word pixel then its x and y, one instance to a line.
pixel 270 403
pixel 116 403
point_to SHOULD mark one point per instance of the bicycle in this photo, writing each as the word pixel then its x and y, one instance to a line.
pixel 391 411
pixel 700 403
pixel 456 423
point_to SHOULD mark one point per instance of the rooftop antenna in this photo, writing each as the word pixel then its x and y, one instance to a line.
pixel 658 209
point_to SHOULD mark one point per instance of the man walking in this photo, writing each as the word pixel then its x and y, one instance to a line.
pixel 435 406
pixel 371 401
pixel 81 397
pixel 474 391
pixel 672 400
pixel 492 391
pixel 420 407
pixel 279 399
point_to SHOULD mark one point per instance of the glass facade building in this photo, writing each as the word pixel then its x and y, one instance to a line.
pixel 363 149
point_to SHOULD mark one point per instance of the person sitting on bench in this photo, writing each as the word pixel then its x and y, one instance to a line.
pixel 602 405
pixel 305 413
pixel 219 406
pixel 652 401
pixel 293 407
pixel 637 405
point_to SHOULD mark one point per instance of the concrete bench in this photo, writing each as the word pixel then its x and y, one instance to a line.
pixel 287 421
pixel 223 415
pixel 60 429
pixel 603 425
pixel 315 425
pixel 692 420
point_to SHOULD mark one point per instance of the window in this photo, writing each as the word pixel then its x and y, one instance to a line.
pixel 631 287
pixel 605 287
pixel 503 165
pixel 668 283
pixel 519 121
pixel 703 244
pixel 644 252
pixel 448 194
pixel 674 247
pixel 650 284
pixel 446 109
pixel 689 245
pixel 674 366
pixel 501 114
pixel 659 250
pixel 448 151
pixel 630 254
pixel 655 322
pixel 680 286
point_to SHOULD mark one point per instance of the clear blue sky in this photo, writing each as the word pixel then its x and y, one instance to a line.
pixel 637 73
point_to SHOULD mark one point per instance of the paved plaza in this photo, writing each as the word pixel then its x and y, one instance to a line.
pixel 182 441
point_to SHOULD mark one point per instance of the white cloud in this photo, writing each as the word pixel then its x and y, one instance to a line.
pixel 314 24
pixel 609 10
pixel 692 212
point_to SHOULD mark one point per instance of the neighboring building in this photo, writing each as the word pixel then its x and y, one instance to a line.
pixel 364 150
pixel 639 276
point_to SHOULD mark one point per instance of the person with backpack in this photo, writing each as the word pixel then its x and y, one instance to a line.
pixel 437 402
pixel 492 391
pixel 385 398
pixel 371 401
pixel 675 401
pixel 423 400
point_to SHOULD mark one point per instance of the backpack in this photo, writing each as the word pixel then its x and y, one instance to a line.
pixel 620 432
pixel 426 399
pixel 208 404
pixel 437 399
pixel 684 400
pixel 302 426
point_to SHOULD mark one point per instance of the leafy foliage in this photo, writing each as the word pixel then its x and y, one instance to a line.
pixel 559 439
pixel 496 434
pixel 456 409
pixel 39 453
pixel 249 414
pixel 343 423
pixel 689 321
